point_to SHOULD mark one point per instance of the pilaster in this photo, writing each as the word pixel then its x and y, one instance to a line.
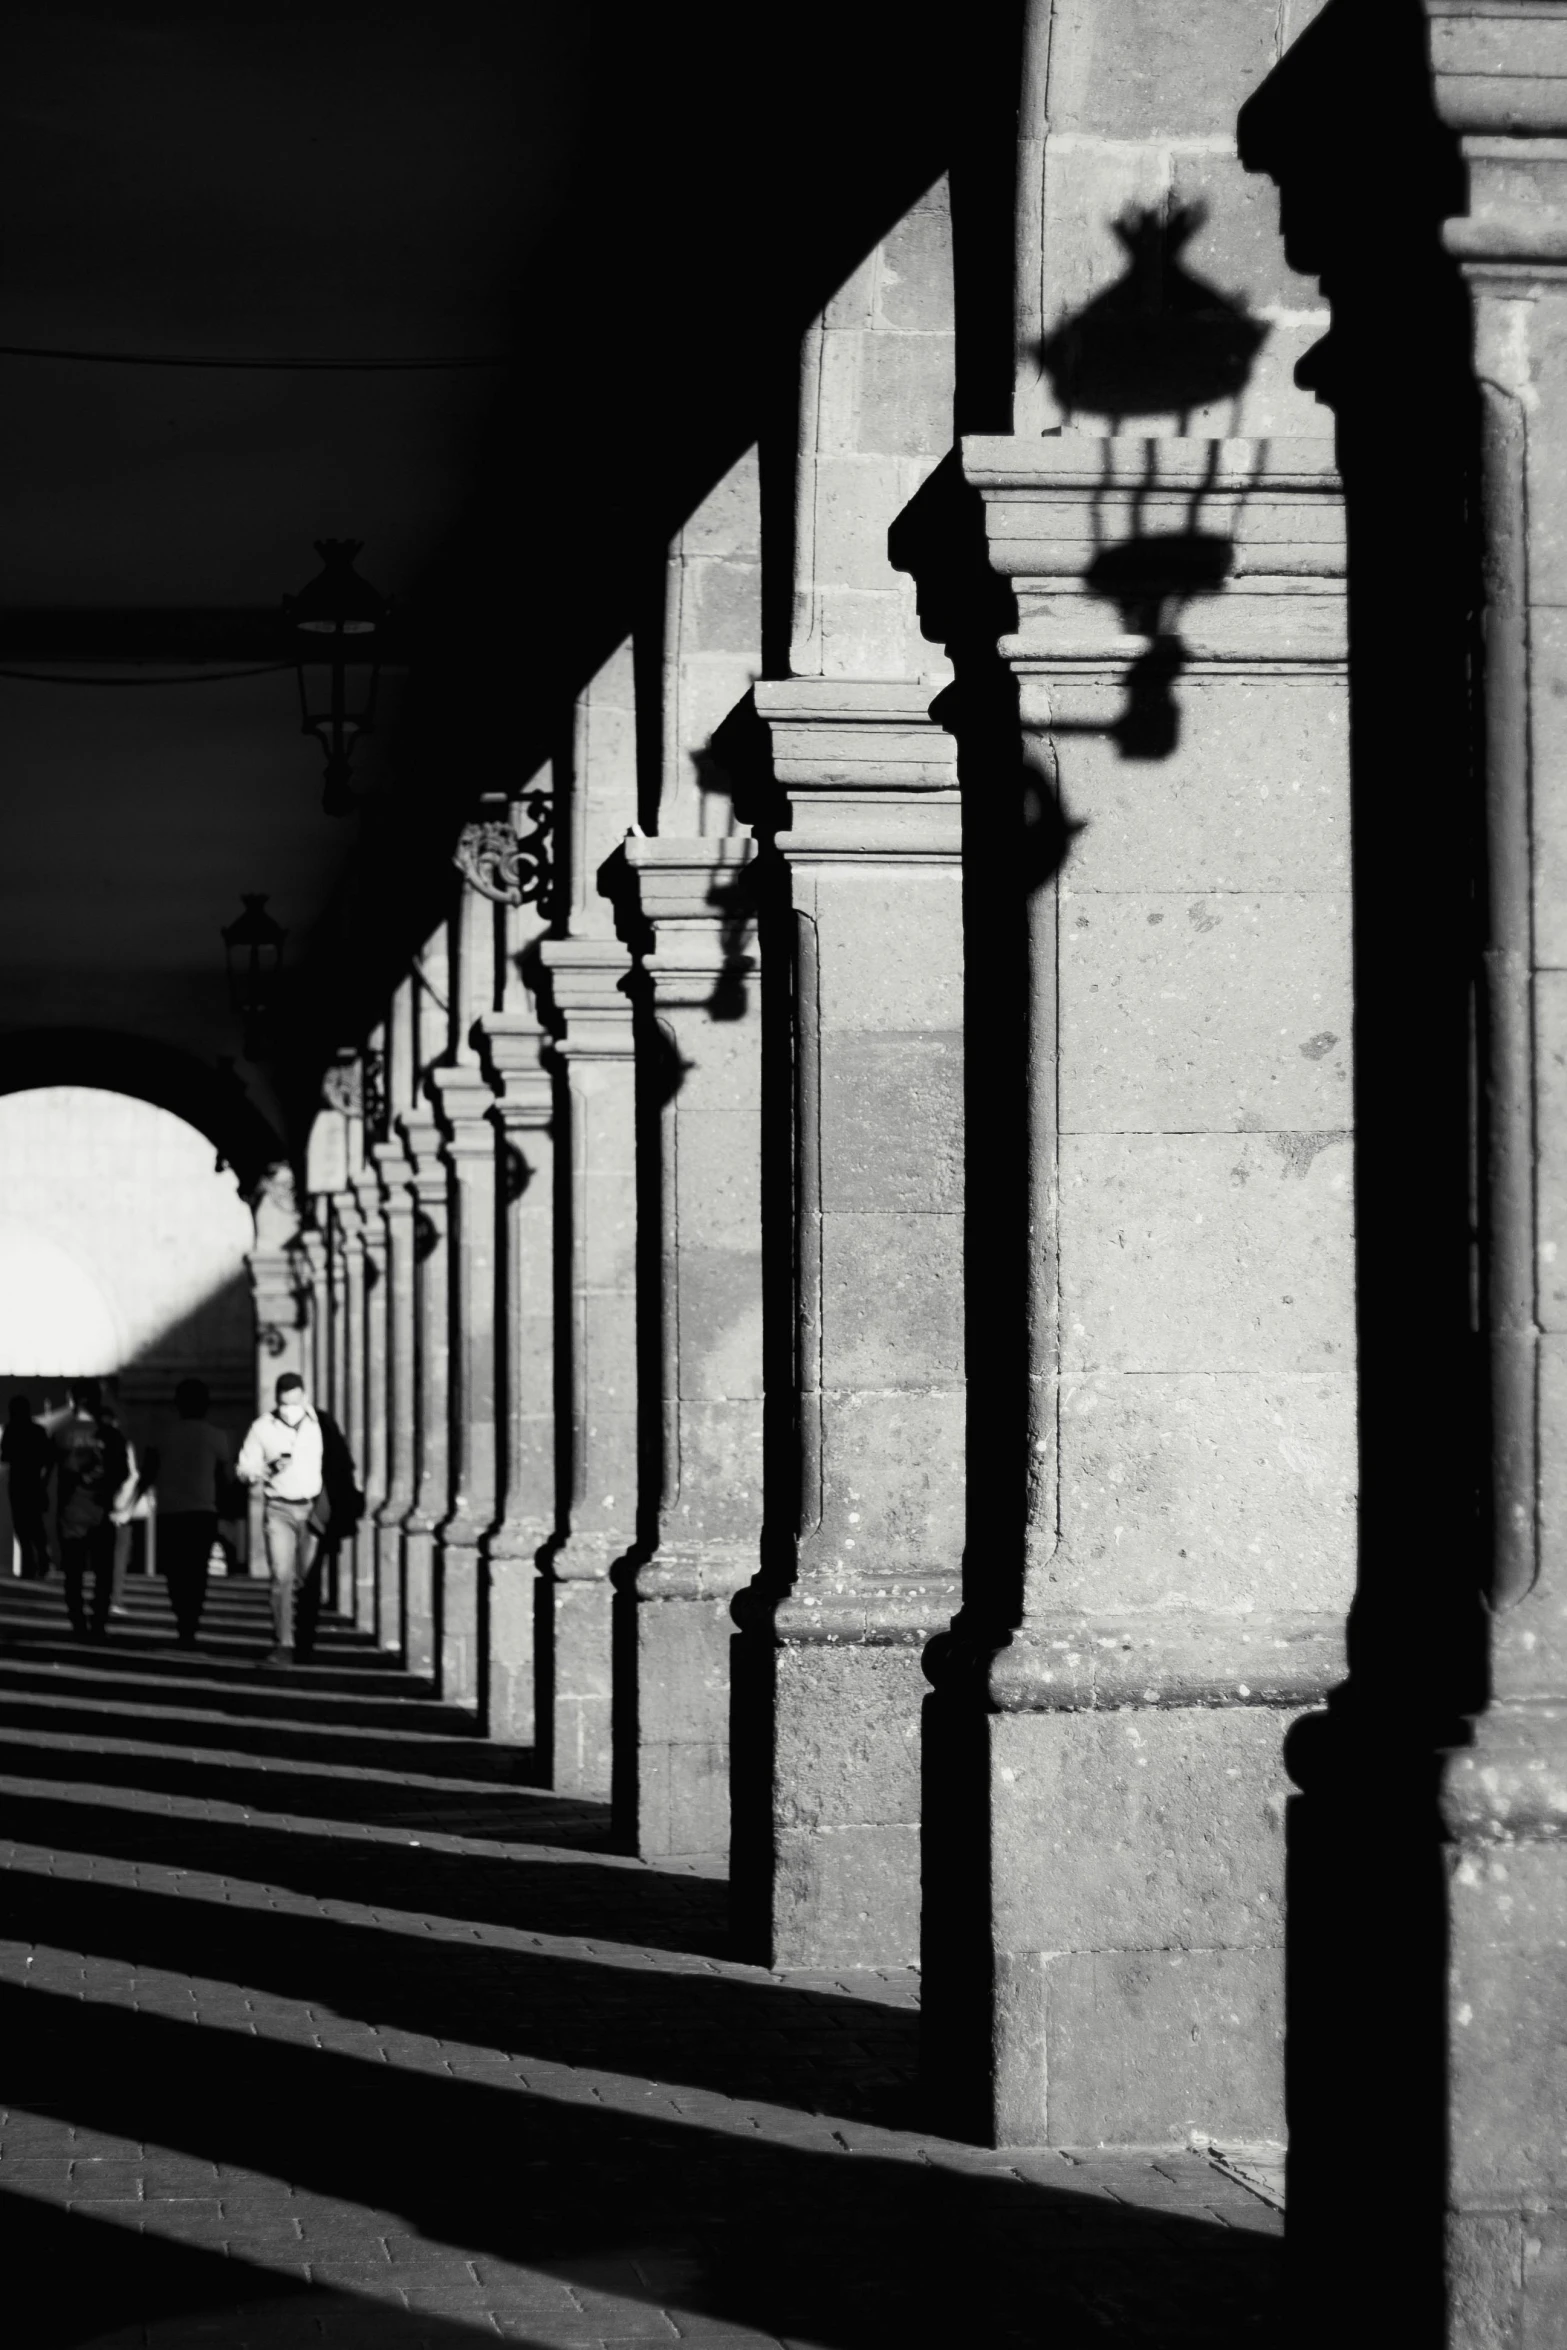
pixel 704 1074
pixel 873 847
pixel 356 1554
pixel 592 1030
pixel 427 1189
pixel 462 1097
pixel 522 1115
pixel 381 1609
pixel 1501 82
pixel 1187 1298
pixel 396 1498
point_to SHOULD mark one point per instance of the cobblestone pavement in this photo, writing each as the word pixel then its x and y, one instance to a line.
pixel 321 2026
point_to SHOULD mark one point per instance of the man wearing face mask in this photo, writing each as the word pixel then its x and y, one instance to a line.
pixel 283 1455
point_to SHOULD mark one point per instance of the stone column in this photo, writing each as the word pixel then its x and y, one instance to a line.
pixel 398 1227
pixel 1501 81
pixel 427 1189
pixel 1190 1535
pixel 589 1013
pixel 592 1020
pixel 523 1117
pixel 313 1252
pixel 463 1099
pixel 356 1555
pixel 282 1336
pixel 701 990
pixel 873 849
pixel 377 1611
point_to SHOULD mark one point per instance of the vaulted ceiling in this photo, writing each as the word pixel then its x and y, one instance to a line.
pixel 621 216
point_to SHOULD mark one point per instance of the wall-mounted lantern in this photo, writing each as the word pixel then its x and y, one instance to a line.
pixel 253 945
pixel 338 626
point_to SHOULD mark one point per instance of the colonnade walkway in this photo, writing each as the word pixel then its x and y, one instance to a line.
pixel 321 2025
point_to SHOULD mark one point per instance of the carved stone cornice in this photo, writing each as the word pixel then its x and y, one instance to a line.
pixel 868 775
pixel 463 1098
pixel 881 1610
pixel 694 894
pixel 589 1011
pixel 1499 72
pixel 511 1046
pixel 391 1166
pixel 1232 549
pixel 1177 1658
pixel 1510 1785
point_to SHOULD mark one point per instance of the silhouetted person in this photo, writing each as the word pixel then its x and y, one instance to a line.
pixel 191 1468
pixel 29 1456
pixel 282 1453
pixel 336 1514
pixel 91 1463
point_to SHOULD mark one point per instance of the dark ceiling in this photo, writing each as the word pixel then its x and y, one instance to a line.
pixel 625 214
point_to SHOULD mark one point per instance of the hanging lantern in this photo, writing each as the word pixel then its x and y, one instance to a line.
pixel 253 945
pixel 338 625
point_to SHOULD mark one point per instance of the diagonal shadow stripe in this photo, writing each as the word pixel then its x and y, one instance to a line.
pixel 92 2280
pixel 741 2037
pixel 505 1815
pixel 649 1908
pixel 413 1754
pixel 791 2242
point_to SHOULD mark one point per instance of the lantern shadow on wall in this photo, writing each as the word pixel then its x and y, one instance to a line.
pixel 1160 342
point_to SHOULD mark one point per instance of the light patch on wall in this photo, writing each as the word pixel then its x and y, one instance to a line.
pixel 54 1318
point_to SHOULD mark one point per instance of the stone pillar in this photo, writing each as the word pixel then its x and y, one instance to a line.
pixel 589 1013
pixel 316 1368
pixel 1190 1535
pixel 704 1070
pixel 432 1352
pixel 377 1612
pixel 873 848
pixel 523 1116
pixel 282 1335
pixel 592 1020
pixel 400 1279
pixel 1501 81
pixel 355 1555
pixel 463 1098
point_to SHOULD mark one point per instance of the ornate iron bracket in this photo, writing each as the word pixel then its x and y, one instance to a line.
pixel 342 1087
pixel 511 867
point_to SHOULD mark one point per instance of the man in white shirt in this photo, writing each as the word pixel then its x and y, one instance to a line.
pixel 282 1454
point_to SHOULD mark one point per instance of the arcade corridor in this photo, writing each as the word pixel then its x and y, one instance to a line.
pixel 325 2027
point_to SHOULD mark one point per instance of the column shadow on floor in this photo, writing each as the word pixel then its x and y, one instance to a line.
pixel 782 2239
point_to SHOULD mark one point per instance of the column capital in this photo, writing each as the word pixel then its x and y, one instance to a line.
pixel 463 1098
pixel 349 1215
pixel 1499 76
pixel 583 987
pixel 511 1045
pixel 694 894
pixel 392 1170
pixel 869 776
pixel 1227 556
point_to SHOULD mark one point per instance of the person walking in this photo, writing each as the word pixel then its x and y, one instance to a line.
pixel 282 1453
pixel 91 1464
pixel 29 1458
pixel 188 1475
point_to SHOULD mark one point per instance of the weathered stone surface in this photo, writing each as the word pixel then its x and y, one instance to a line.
pixel 1233 1489
pixel 892 1122
pixel 892 1301
pixel 848 1735
pixel 1149 2045
pixel 1198 1012
pixel 1206 1252
pixel 887 1494
pixel 1507 2043
pixel 1139 1829
pixel 847 1896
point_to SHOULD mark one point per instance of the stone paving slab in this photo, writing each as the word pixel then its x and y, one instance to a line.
pixel 322 2053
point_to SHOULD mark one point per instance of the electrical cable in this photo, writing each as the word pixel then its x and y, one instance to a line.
pixel 298 364
pixel 190 677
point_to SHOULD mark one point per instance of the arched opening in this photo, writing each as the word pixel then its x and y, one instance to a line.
pixel 122 1256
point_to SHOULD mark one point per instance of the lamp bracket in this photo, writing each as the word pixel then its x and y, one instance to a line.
pixel 501 863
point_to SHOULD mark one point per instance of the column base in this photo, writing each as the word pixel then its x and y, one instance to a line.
pixel 390 1606
pixel 419 1596
pixel 581 1633
pixel 510 1664
pixel 460 1634
pixel 672 1791
pixel 846 1804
